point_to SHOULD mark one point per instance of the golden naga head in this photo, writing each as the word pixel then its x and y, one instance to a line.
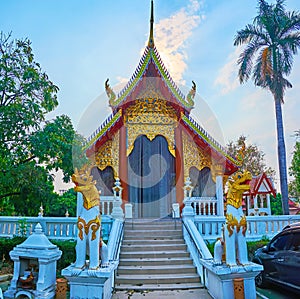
pixel 83 176
pixel 242 179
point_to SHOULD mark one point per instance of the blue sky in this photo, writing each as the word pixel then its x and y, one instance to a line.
pixel 82 43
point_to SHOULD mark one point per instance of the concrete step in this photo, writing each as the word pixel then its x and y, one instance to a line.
pixel 153 247
pixel 128 237
pixel 152 287
pixel 158 269
pixel 157 261
pixel 147 243
pixel 152 233
pixel 154 254
pixel 157 226
pixel 157 279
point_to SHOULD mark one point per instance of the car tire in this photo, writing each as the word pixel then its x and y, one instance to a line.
pixel 260 280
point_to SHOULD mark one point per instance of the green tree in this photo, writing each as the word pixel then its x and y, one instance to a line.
pixel 276 204
pixel 61 203
pixel 254 158
pixel 294 186
pixel 271 41
pixel 30 145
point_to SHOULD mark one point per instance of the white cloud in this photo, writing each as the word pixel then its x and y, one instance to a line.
pixel 171 35
pixel 228 75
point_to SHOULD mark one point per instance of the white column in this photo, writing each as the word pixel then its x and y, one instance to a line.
pixel 255 202
pixel 219 195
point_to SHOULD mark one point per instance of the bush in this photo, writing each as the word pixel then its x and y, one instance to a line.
pixel 68 254
pixel 251 245
pixel 8 244
pixel 254 245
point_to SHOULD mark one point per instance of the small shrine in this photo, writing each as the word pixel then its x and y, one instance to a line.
pixel 152 143
pixel 257 199
pixel 34 267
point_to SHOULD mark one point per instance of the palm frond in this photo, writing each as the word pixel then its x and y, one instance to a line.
pixel 291 24
pixel 245 60
pixel 290 42
pixel 249 34
pixel 263 71
pixel 285 60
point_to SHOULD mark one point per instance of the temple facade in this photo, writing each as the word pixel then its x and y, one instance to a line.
pixel 153 145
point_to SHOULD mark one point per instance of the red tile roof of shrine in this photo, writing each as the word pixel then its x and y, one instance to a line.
pixel 256 183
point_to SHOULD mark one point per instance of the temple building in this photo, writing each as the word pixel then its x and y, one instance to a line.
pixel 153 145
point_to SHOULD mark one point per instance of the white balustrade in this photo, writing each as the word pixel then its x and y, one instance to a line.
pixel 53 227
pixel 210 227
pixel 204 206
pixel 257 226
pixel 106 204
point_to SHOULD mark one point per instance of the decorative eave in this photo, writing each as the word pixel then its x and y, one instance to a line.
pixel 103 133
pixel 210 145
pixel 143 71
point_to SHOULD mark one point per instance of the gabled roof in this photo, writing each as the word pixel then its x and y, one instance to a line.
pixel 103 133
pixel 261 184
pixel 209 145
pixel 151 66
pixel 151 74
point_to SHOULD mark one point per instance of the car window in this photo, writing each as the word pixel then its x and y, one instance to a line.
pixel 281 243
pixel 295 245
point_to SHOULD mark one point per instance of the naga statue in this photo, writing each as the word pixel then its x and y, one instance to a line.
pixel 89 223
pixel 236 224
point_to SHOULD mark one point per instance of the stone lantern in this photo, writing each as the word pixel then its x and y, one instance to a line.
pixel 34 267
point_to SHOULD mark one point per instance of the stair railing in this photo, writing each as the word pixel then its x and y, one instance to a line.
pixel 115 240
pixel 196 247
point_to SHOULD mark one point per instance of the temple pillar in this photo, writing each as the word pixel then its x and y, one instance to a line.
pixel 123 164
pixel 219 194
pixel 179 167
pixel 218 171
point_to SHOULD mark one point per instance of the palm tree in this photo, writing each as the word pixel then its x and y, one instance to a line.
pixel 270 43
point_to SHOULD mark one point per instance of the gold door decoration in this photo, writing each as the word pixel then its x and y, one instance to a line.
pixel 150 117
pixel 192 156
pixel 108 155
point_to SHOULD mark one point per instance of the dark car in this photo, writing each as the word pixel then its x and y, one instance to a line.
pixel 281 260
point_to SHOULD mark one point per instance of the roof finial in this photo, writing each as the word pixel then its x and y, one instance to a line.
pixel 151 39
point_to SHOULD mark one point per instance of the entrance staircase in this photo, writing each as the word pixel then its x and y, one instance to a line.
pixel 154 257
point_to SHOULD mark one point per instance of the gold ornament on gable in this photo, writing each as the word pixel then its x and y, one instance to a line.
pixel 108 155
pixel 193 156
pixel 150 117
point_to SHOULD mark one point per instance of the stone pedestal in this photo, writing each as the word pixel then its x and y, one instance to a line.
pixel 34 267
pixel 222 280
pixel 97 284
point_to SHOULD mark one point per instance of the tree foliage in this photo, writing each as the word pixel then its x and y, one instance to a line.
pixel 294 186
pixel 276 204
pixel 270 43
pixel 254 158
pixel 60 204
pixel 30 144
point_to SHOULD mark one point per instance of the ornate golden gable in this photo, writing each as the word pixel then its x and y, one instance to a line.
pixel 150 117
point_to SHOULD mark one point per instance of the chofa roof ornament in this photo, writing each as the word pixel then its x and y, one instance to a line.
pixel 110 93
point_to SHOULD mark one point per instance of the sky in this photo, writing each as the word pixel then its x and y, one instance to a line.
pixel 80 44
